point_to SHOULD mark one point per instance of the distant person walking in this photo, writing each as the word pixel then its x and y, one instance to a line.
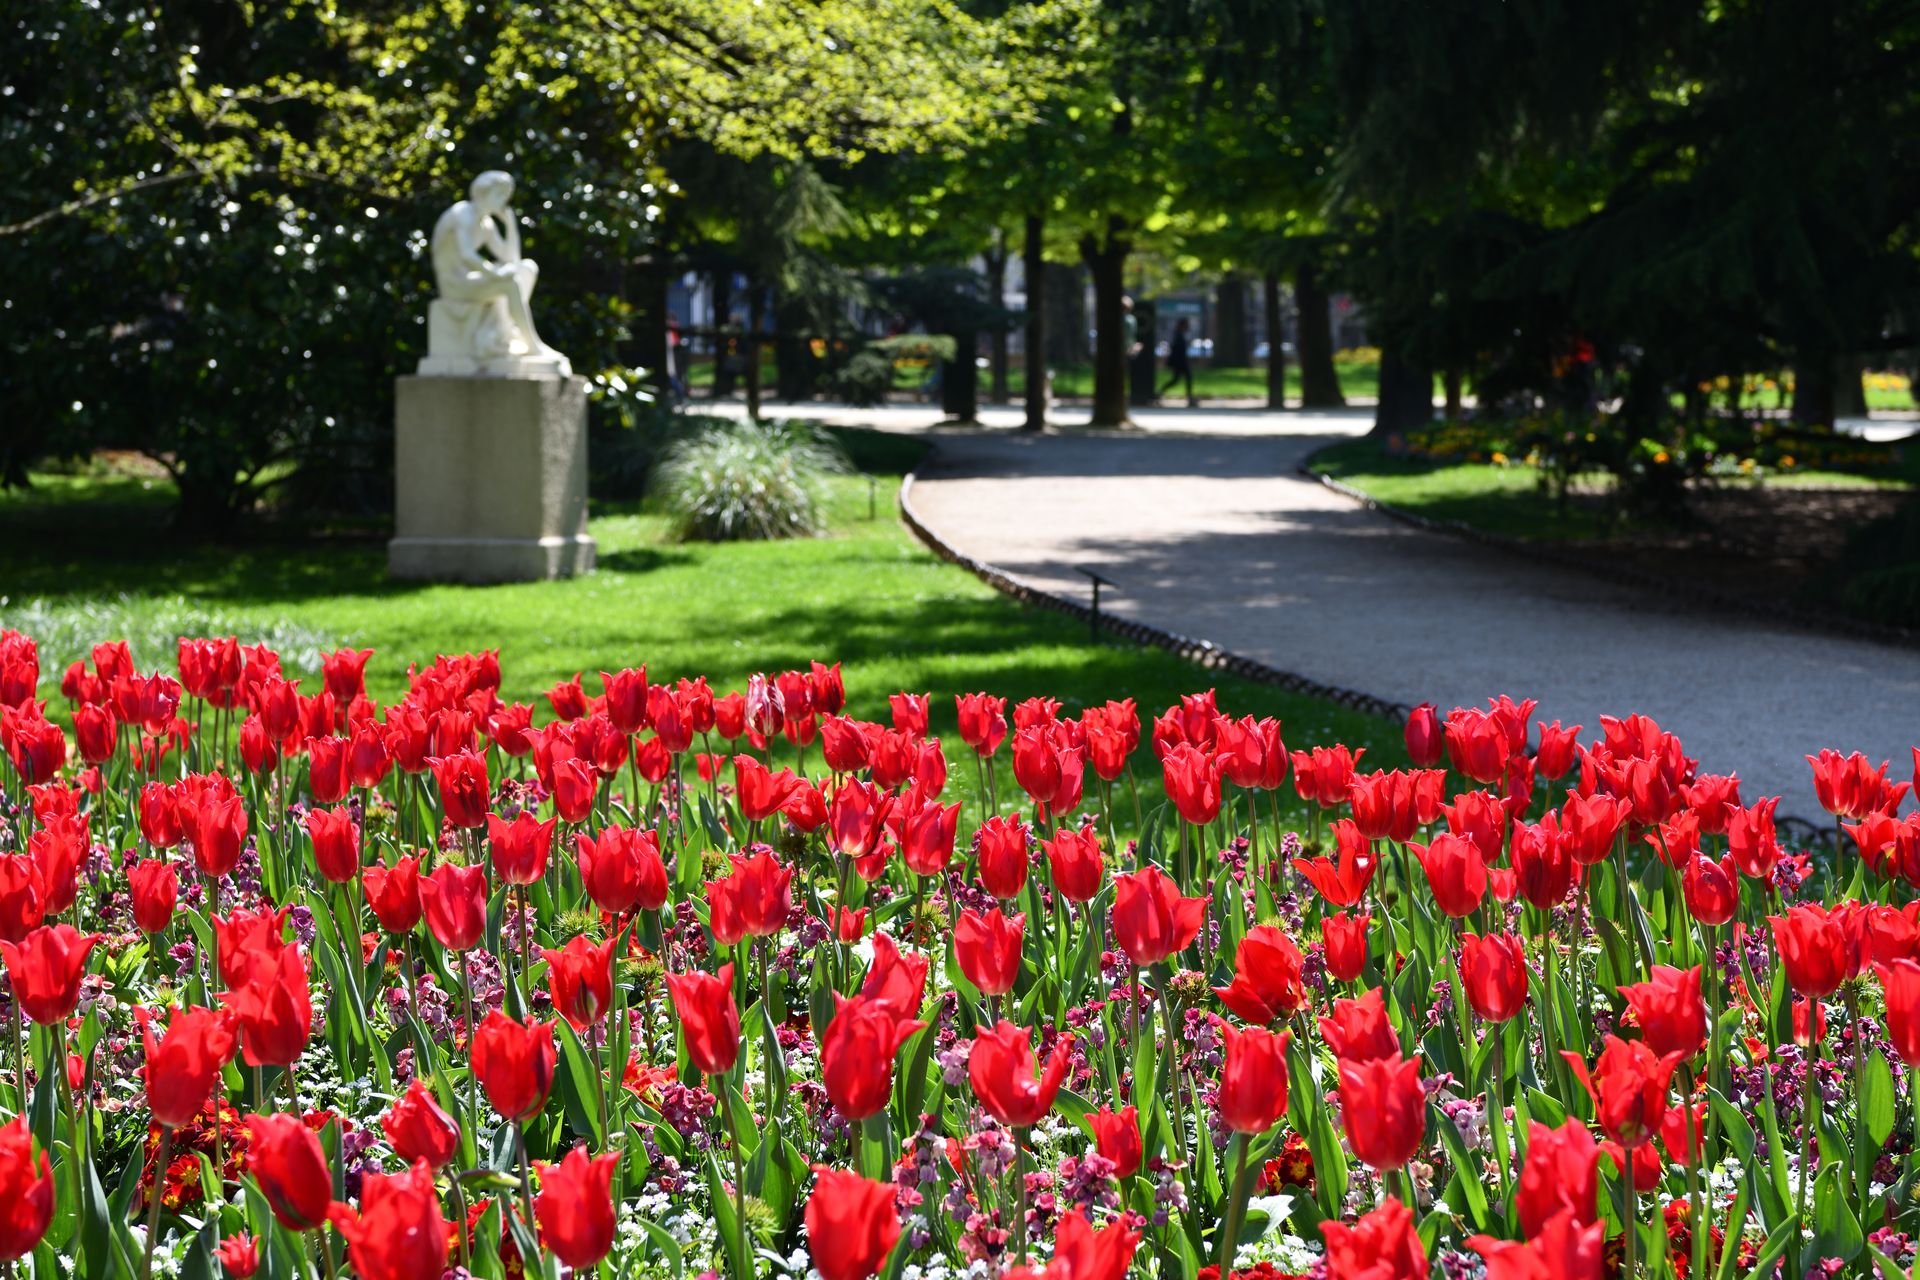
pixel 1180 362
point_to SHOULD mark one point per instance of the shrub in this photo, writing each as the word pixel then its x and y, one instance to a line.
pixel 865 379
pixel 747 481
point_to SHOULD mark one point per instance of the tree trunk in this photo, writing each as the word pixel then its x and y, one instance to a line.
pixel 1450 379
pixel 1231 350
pixel 1106 259
pixel 794 366
pixel 722 342
pixel 1034 264
pixel 1276 345
pixel 960 379
pixel 1406 395
pixel 1067 322
pixel 1319 384
pixel 997 340
pixel 1851 389
pixel 1815 389
pixel 751 349
pixel 649 349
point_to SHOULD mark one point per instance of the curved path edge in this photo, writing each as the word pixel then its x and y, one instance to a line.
pixel 1637 579
pixel 1203 653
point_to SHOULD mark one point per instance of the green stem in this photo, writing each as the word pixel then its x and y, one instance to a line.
pixel 1236 1203
pixel 153 1199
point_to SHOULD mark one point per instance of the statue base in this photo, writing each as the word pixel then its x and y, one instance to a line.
pixel 490 479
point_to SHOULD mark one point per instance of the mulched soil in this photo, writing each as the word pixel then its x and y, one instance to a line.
pixel 1770 544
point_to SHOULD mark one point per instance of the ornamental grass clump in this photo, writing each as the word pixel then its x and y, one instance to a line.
pixel 748 481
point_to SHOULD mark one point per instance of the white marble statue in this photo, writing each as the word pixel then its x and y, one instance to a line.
pixel 482 322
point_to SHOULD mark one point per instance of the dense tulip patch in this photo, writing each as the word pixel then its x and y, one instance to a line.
pixel 675 982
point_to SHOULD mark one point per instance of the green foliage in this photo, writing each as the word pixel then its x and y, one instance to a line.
pixel 1879 572
pixel 747 481
pixel 866 379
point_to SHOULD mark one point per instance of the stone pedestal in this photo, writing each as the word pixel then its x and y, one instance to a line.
pixel 490 479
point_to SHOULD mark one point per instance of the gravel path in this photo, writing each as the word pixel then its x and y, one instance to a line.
pixel 1215 536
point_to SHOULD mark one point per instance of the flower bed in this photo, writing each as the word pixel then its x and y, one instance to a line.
pixel 679 983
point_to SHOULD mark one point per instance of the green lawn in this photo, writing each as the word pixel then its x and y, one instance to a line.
pixel 1507 499
pixel 1359 377
pixel 86 559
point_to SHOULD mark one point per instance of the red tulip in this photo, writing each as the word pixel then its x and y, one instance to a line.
pixel 515 1064
pixel 852 1224
pixel 1074 863
pixel 1193 783
pixel 96 732
pixel 1455 872
pixel 1561 1250
pixel 1426 742
pixel 926 835
pixel 857 1053
pixel 394 893
pixel 849 924
pixel 26 1192
pixel 1382 1245
pixel 519 848
pixel 368 757
pixel 465 794
pixel 22 897
pixel 57 852
pixel 622 869
pixel 896 980
pixel 1493 970
pixel 45 969
pixel 1343 941
pixel 753 902
pixel 454 901
pixel 1358 1030
pixel 399 1232
pixel 1479 817
pixel 336 843
pixel 1383 1108
pixel 1116 1135
pixel 983 722
pixel 1342 883
pixel 1589 824
pixel 419 1128
pixel 1561 1175
pixel 219 831
pixel 1001 853
pixel 1672 1017
pixel 344 670
pixel 1085 1254
pixel 286 1159
pixel 239 1256
pixel 1629 1089
pixel 988 949
pixel 1555 756
pixel 1813 949
pixel 1253 1083
pixel 709 1021
pixel 1150 917
pixel 1266 982
pixel 327 768
pixel 575 1208
pixel 154 887
pixel 910 712
pixel 1751 840
pixel 1001 1070
pixel 1849 787
pixel 248 941
pixel 857 816
pixel 760 791
pixel 626 698
pixel 183 1068
pixel 275 1010
pixel 580 975
pixel 1710 798
pixel 1543 863
pixel 1712 889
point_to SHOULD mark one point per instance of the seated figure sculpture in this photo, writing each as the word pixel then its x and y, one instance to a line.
pixel 482 322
